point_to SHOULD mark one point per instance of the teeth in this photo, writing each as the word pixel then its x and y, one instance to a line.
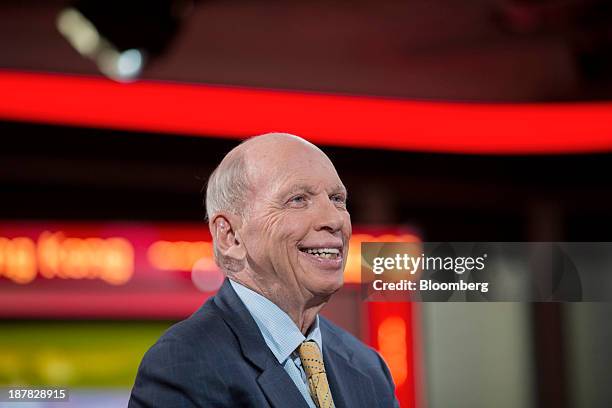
pixel 323 250
pixel 326 253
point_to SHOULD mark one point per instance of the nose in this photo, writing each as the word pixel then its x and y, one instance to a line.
pixel 329 217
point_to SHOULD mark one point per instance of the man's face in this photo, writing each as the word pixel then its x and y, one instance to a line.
pixel 297 230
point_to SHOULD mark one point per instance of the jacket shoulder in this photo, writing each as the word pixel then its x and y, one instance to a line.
pixel 185 366
pixel 204 327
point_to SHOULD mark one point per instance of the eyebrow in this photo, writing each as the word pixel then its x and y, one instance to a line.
pixel 338 188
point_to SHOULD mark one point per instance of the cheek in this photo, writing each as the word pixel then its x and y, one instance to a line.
pixel 287 228
pixel 348 228
pixel 278 236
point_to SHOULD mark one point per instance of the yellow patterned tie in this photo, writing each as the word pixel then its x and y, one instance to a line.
pixel 312 361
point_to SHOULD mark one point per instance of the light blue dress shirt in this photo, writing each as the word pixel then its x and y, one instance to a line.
pixel 281 335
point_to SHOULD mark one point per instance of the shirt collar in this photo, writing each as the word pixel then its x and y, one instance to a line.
pixel 279 332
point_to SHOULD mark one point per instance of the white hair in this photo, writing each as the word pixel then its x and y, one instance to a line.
pixel 226 191
pixel 228 186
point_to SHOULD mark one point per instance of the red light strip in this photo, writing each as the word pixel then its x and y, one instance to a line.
pixel 188 109
pixel 91 305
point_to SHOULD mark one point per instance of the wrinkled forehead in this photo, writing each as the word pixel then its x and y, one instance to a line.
pixel 273 170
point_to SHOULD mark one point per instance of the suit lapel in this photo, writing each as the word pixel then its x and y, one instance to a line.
pixel 279 388
pixel 351 388
pixel 273 380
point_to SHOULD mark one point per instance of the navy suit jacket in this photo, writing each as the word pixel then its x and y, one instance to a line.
pixel 218 358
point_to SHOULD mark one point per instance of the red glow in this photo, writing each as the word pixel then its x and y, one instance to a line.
pixel 326 119
pixel 391 339
pixel 80 304
pixel 398 351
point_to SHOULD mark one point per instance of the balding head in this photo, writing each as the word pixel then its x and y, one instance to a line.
pixel 229 184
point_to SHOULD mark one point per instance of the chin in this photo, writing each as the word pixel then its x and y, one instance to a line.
pixel 322 281
pixel 330 285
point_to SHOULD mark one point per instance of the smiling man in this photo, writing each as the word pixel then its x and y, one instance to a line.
pixel 277 214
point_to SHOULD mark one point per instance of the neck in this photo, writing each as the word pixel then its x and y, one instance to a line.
pixel 304 319
pixel 302 312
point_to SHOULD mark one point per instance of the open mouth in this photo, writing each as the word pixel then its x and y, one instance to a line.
pixel 323 253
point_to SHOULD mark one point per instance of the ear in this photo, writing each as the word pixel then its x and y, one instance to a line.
pixel 224 229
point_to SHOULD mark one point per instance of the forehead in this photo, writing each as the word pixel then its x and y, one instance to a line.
pixel 298 165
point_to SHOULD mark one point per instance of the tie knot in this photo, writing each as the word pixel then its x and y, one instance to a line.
pixel 312 361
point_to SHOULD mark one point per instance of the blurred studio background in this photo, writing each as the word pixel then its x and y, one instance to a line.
pixel 478 120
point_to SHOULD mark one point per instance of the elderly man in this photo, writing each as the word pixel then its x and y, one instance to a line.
pixel 280 227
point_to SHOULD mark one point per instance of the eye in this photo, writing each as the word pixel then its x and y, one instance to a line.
pixel 338 199
pixel 297 200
